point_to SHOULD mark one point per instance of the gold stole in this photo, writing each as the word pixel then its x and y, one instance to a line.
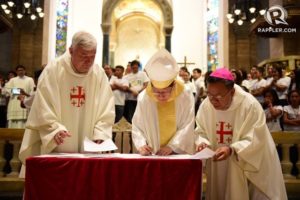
pixel 166 113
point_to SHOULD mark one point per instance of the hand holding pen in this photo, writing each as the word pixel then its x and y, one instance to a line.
pixel 145 150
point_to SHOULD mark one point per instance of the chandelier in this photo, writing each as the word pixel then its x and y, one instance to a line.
pixel 22 8
pixel 245 10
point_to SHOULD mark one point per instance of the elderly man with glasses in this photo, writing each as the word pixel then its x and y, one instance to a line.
pixel 232 123
pixel 163 122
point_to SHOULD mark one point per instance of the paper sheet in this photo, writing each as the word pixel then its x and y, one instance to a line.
pixel 204 154
pixel 90 146
pixel 62 155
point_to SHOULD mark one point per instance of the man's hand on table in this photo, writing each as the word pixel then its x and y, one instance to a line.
pixel 60 136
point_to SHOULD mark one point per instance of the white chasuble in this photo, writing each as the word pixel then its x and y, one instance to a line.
pixel 81 104
pixel 254 160
pixel 146 123
pixel 14 110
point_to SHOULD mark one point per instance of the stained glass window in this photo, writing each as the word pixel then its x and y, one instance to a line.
pixel 61 27
pixel 212 34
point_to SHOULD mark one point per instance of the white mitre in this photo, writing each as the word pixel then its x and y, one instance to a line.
pixel 162 69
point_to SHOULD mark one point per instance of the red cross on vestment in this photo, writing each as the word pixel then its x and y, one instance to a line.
pixel 223 132
pixel 77 96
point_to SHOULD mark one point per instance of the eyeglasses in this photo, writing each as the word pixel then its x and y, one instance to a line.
pixel 166 91
pixel 218 97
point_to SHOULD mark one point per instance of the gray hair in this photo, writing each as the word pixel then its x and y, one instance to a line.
pixel 85 40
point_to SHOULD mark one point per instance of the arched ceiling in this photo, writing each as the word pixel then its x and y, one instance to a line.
pixel 169 1
pixel 164 6
pixel 145 7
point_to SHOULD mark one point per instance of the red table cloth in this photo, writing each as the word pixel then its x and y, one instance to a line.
pixel 112 178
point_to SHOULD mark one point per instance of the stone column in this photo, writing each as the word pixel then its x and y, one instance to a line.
pixel 168 32
pixel 2 160
pixel 286 164
pixel 15 163
pixel 223 35
pixel 105 51
pixel 276 44
pixel 276 47
pixel 298 161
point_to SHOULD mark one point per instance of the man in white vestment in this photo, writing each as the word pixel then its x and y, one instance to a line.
pixel 164 118
pixel 16 87
pixel 25 100
pixel 232 123
pixel 73 101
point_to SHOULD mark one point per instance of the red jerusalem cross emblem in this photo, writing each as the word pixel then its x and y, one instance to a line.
pixel 224 133
pixel 77 96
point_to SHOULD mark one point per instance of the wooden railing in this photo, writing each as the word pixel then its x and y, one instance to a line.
pixel 287 141
pixel 10 140
pixel 13 137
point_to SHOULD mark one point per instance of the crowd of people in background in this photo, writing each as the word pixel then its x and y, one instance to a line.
pixel 274 88
pixel 277 90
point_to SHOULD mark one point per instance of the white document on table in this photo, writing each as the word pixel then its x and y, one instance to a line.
pixel 90 146
pixel 108 144
pixel 204 154
pixel 62 155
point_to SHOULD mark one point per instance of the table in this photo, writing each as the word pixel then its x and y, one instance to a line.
pixel 112 178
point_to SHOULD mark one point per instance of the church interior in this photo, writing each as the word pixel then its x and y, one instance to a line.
pixel 205 35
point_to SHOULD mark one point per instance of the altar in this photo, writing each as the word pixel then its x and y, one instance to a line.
pixel 112 176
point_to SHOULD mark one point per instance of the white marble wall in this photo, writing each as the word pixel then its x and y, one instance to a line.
pixel 190 32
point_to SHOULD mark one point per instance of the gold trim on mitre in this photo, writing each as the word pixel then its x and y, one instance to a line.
pixel 162 84
pixel 178 88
